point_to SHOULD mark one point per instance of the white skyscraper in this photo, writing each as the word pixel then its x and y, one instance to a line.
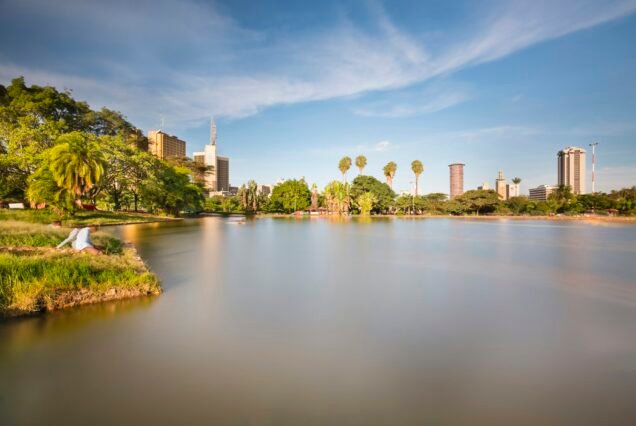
pixel 217 180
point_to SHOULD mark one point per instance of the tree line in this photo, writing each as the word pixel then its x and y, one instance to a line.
pixel 367 195
pixel 57 151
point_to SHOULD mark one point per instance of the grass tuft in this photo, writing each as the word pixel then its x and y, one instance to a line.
pixel 36 276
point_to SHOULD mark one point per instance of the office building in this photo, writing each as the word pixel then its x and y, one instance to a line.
pixel 501 187
pixel 163 145
pixel 265 190
pixel 571 168
pixel 456 179
pixel 541 192
pixel 514 190
pixel 198 158
pixel 222 174
pixel 484 186
pixel 217 180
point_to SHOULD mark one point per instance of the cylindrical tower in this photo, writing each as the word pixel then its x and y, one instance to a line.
pixel 456 179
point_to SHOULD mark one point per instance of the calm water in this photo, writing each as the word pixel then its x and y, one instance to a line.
pixel 316 322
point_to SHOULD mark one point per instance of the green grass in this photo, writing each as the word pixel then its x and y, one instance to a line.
pixel 21 234
pixel 29 279
pixel 33 273
pixel 80 218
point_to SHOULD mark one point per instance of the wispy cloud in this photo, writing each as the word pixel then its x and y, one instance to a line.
pixel 206 62
pixel 409 103
pixel 365 148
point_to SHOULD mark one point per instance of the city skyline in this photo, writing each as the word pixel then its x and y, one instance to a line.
pixel 295 87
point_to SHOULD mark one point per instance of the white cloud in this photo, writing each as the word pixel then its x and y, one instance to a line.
pixel 382 146
pixel 233 71
pixel 414 103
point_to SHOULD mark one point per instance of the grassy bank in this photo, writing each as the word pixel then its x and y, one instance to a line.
pixel 81 218
pixel 34 276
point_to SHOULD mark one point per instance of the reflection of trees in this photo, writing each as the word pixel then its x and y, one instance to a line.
pixel 19 334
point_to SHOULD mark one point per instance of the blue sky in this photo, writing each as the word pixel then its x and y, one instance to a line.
pixel 295 85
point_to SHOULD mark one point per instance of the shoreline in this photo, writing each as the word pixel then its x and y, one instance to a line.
pixel 36 278
pixel 599 219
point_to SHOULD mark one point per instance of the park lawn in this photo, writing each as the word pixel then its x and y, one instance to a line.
pixel 80 218
pixel 34 276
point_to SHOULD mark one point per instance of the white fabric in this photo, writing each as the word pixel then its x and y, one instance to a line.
pixel 79 239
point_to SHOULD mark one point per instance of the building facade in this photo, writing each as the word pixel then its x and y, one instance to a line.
pixel 198 158
pixel 484 186
pixel 571 168
pixel 541 192
pixel 222 174
pixel 514 190
pixel 163 145
pixel 501 187
pixel 217 180
pixel 456 179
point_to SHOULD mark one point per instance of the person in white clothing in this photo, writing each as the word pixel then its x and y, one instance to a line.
pixel 80 240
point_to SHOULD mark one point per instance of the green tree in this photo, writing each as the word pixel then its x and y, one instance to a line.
pixel 344 165
pixel 383 195
pixel 434 203
pixel 361 162
pixel 564 198
pixel 417 167
pixel 365 202
pixel 389 173
pixel 516 180
pixel 518 205
pixel 169 190
pixel 478 201
pixel 314 196
pixel 77 164
pixel 289 196
pixel 42 189
pixel 248 195
pixel 337 197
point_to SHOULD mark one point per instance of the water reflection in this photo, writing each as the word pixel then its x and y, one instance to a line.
pixel 345 321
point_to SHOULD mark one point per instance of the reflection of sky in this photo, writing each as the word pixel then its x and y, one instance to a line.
pixel 312 321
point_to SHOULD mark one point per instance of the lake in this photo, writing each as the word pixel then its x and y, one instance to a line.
pixel 356 322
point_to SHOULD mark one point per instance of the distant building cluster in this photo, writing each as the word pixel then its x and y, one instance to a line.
pixel 216 178
pixel 570 172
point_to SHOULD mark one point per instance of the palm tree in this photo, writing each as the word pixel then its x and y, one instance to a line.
pixel 337 197
pixel 417 168
pixel 344 165
pixel 314 197
pixel 361 161
pixel 516 180
pixel 77 164
pixel 252 191
pixel 389 173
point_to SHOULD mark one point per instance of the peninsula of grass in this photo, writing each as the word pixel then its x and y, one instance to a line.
pixel 81 218
pixel 36 277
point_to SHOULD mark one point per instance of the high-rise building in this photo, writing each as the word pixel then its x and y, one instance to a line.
pixel 571 168
pixel 456 179
pixel 541 192
pixel 501 186
pixel 222 174
pixel 217 179
pixel 163 145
